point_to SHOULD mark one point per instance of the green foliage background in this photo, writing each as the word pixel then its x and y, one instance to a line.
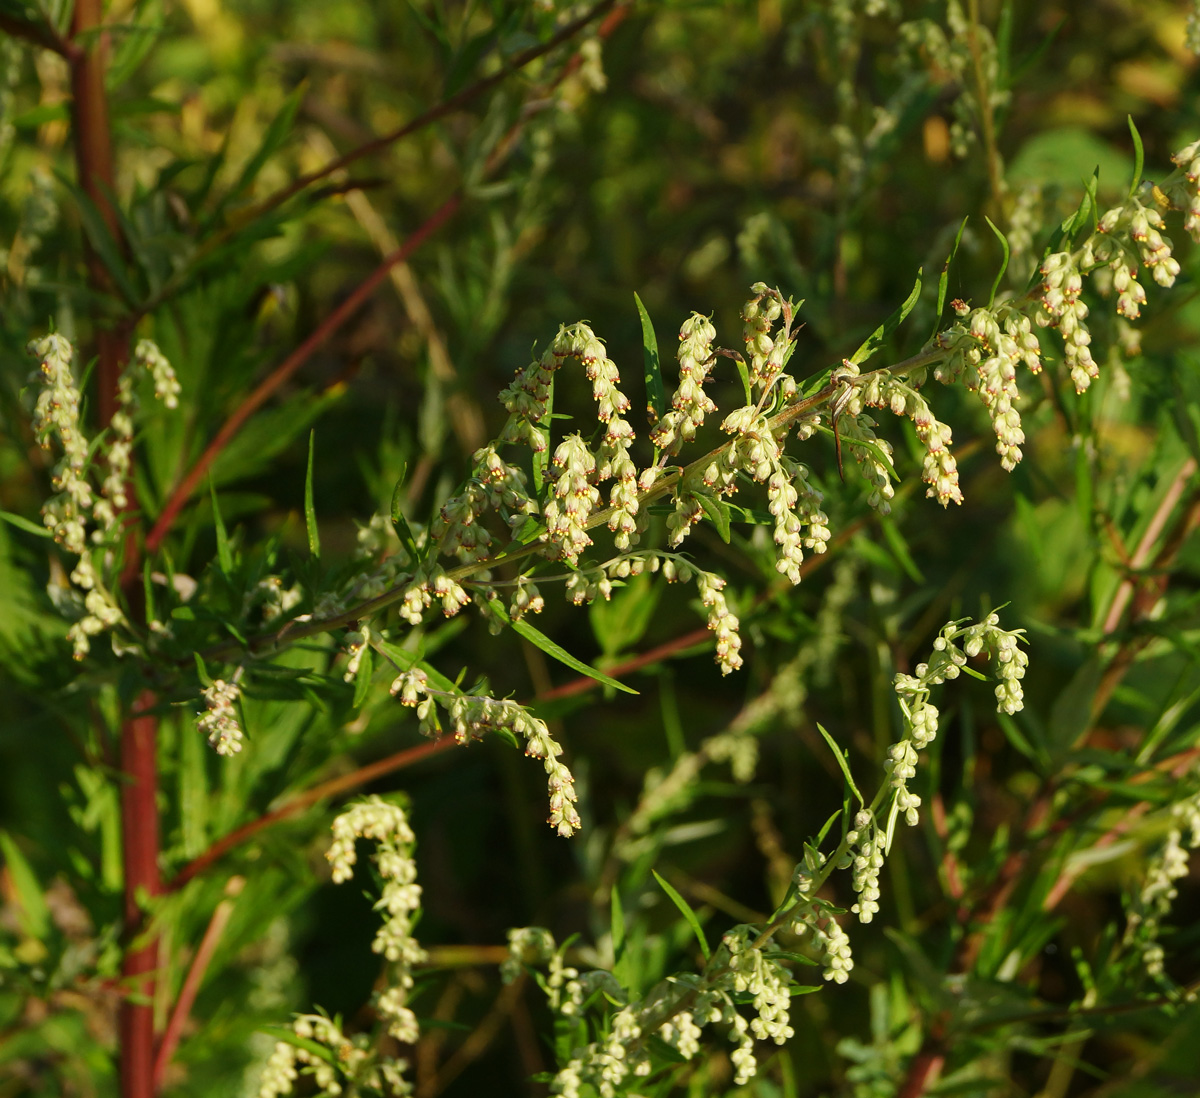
pixel 733 142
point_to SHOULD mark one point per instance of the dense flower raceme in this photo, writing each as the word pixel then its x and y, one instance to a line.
pixel 678 1009
pixel 356 1061
pixel 78 500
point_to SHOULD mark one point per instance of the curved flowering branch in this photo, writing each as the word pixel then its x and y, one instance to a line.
pixel 678 1009
pixel 317 1045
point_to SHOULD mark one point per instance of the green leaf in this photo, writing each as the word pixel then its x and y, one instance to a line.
pixel 1004 262
pixel 1139 157
pixel 288 1037
pixel 275 136
pixel 310 514
pixel 656 398
pixel 362 681
pixel 750 516
pixel 224 554
pixel 24 524
pixel 876 339
pixel 899 547
pixel 717 511
pixel 467 60
pixel 102 240
pixel 539 639
pixel 686 910
pixel 617 924
pixel 541 458
pixel 841 761
pixel 944 280
pixel 33 914
pixel 832 820
pixel 621 621
pixel 405 659
pixel 403 530
pixel 744 373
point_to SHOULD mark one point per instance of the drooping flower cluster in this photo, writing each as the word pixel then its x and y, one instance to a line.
pixel 868 861
pixel 387 824
pixel 1169 865
pixel 690 403
pixel 984 349
pixel 67 513
pixel 472 717
pixel 431 583
pixel 766 979
pixel 768 353
pixel 356 1063
pixel 219 722
pixel 951 650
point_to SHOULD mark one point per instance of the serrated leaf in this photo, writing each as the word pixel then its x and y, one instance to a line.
pixel 539 639
pixel 718 513
pixel 841 761
pixel 685 909
pixel 876 339
pixel 656 398
pixel 24 524
pixel 310 514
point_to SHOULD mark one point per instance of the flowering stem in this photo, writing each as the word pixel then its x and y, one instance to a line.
pixel 294 632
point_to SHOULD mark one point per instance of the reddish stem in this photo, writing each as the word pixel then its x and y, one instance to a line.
pixel 285 369
pixel 94 163
pixel 139 836
pixel 193 980
pixel 139 807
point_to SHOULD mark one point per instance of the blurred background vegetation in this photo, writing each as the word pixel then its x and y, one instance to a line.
pixel 697 148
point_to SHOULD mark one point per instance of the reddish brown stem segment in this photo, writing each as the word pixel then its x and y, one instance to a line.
pixel 289 366
pixel 139 836
pixel 139 808
pixel 193 980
